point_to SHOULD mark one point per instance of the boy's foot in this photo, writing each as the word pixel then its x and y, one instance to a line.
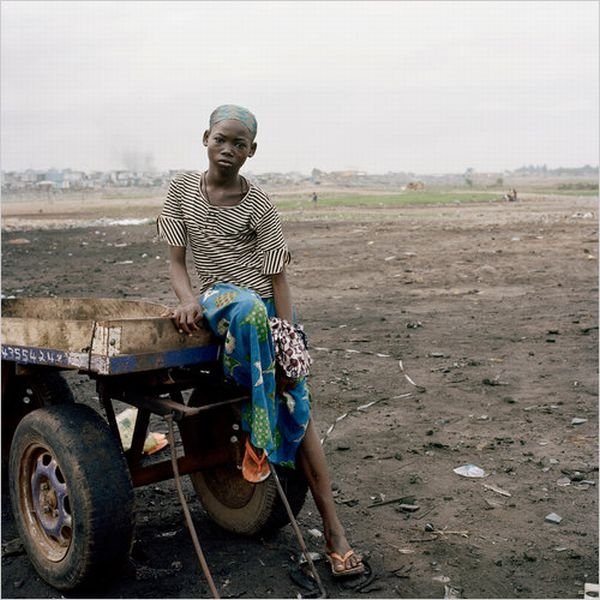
pixel 346 565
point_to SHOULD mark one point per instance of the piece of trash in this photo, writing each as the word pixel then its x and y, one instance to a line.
pixel 407 507
pixel 578 421
pixel 437 355
pixel 154 442
pixel 553 518
pixel 124 262
pixel 13 548
pixel 496 489
pixel 441 579
pixel 563 482
pixel 315 533
pixel 167 534
pixel 469 470
pixel 314 556
pixel 19 241
pixel 591 591
pixel 126 424
pixel 495 381
pixel 452 593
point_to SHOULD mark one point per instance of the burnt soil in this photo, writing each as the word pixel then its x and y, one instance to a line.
pixel 493 310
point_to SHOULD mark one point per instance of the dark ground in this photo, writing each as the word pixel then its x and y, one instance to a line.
pixel 493 308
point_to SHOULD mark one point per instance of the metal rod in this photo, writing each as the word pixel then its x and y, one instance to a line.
pixel 297 531
pixel 186 511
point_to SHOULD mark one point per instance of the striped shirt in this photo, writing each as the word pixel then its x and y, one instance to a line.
pixel 241 244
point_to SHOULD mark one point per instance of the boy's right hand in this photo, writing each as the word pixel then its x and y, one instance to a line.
pixel 187 316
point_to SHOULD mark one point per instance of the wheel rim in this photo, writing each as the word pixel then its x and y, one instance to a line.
pixel 44 502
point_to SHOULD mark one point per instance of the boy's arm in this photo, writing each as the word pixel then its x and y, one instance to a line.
pixel 189 312
pixel 282 297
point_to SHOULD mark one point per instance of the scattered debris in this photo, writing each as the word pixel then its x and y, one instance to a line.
pixel 470 470
pixel 553 518
pixel 315 533
pixel 410 508
pixel 591 591
pixel 359 409
pixel 13 548
pixel 382 502
pixel 497 490
pixel 495 381
pixel 314 556
pixel 578 421
pixel 126 424
pixel 452 593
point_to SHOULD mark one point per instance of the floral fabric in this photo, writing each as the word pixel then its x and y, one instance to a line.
pixel 291 352
pixel 240 318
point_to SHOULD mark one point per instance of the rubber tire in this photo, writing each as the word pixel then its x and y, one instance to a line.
pixel 86 463
pixel 25 393
pixel 261 511
pixel 231 501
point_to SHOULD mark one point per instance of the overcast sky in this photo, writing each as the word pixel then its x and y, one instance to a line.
pixel 427 87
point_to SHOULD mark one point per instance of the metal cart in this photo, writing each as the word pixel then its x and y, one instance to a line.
pixel 71 482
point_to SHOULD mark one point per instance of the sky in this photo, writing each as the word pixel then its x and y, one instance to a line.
pixel 422 87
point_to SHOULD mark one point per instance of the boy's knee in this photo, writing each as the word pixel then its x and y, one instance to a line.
pixel 249 307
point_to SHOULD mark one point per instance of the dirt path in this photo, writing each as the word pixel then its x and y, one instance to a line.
pixel 493 310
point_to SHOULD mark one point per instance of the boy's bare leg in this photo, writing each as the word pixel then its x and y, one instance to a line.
pixel 311 459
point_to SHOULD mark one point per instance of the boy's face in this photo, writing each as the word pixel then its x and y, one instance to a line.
pixel 229 145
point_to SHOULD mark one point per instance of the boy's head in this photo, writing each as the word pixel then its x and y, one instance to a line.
pixel 227 112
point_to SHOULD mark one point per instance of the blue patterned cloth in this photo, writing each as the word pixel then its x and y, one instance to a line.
pixel 239 317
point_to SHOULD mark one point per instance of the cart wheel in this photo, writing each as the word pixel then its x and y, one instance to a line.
pixel 230 500
pixel 25 393
pixel 247 508
pixel 72 495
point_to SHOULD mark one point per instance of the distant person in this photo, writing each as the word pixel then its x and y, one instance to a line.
pixel 235 236
pixel 314 198
pixel 514 195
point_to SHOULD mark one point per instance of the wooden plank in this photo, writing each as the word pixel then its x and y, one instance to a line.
pixel 104 329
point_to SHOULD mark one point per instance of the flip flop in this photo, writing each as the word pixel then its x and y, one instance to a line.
pixel 155 442
pixel 336 560
pixel 254 468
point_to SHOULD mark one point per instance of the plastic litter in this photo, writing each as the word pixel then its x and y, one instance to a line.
pixel 553 518
pixel 472 471
pixel 126 424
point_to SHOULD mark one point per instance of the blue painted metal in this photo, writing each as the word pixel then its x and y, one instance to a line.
pixel 130 363
pixel 110 365
pixel 40 356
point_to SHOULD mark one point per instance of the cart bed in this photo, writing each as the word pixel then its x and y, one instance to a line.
pixel 98 335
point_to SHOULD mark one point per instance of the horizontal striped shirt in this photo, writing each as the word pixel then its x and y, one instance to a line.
pixel 241 244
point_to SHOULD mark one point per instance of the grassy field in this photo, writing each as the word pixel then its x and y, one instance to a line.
pixel 389 200
pixel 331 203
